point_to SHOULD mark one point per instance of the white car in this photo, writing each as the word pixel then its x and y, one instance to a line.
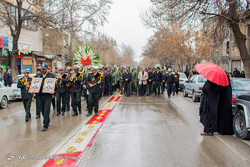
pixel 5 95
pixel 17 91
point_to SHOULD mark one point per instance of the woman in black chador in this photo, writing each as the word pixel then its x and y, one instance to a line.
pixel 216 109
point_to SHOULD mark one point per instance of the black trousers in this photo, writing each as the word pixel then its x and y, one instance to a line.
pixel 142 89
pixel 76 101
pixel 149 87
pixel 157 87
pixel 45 103
pixel 93 101
pixel 27 104
pixel 108 88
pixel 67 100
pixel 170 87
pixel 54 102
pixel 60 97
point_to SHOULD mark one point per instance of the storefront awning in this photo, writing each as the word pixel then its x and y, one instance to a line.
pixel 51 57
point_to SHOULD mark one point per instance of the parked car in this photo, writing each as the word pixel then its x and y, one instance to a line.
pixel 5 95
pixel 182 80
pixel 240 86
pixel 241 121
pixel 17 91
pixel 194 87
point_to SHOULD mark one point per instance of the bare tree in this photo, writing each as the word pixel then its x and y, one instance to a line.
pixel 223 12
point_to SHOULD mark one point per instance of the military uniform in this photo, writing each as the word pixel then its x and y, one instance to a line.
pixel 68 85
pixel 44 98
pixel 121 81
pixel 26 96
pixel 113 73
pixel 76 90
pixel 108 83
pixel 164 78
pixel 135 79
pixel 157 82
pixel 127 76
pixel 85 77
pixel 61 93
pixel 93 92
pixel 150 82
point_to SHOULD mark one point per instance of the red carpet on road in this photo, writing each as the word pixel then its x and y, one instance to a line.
pixel 116 100
pixel 100 118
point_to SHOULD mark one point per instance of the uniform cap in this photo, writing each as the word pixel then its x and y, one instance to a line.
pixel 158 67
pixel 45 66
pixel 75 67
pixel 26 70
pixel 169 69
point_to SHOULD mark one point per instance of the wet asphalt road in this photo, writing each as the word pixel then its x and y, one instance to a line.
pixel 140 131
pixel 147 131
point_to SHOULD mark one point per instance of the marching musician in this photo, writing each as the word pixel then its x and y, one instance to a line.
pixel 68 71
pixel 76 90
pixel 93 82
pixel 44 98
pixel 24 83
pixel 61 91
pixel 85 77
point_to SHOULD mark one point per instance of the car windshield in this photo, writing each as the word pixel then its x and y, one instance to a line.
pixel 182 75
pixel 202 79
pixel 15 80
pixel 240 84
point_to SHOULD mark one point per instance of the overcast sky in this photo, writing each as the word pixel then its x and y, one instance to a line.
pixel 125 26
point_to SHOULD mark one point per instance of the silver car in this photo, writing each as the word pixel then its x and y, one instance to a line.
pixel 241 121
pixel 182 80
pixel 17 91
pixel 194 87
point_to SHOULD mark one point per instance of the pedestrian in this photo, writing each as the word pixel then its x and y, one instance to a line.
pixel 170 82
pixel 76 91
pixel 44 99
pixel 121 80
pixel 157 81
pixel 8 77
pixel 127 76
pixel 68 85
pixel 187 74
pixel 216 109
pixel 93 82
pixel 1 73
pixel 108 83
pixel 61 91
pixel 24 83
pixel 236 73
pixel 164 79
pixel 143 77
pixel 242 74
pixel 150 81
pixel 86 93
pixel 177 80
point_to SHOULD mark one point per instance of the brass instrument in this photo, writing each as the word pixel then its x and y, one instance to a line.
pixel 72 77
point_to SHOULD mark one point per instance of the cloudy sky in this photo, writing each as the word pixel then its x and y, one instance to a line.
pixel 125 26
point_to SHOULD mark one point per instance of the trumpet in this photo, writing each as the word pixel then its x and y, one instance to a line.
pixel 72 77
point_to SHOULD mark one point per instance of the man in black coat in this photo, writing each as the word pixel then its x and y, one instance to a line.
pixel 150 81
pixel 236 73
pixel 24 83
pixel 93 83
pixel 7 77
pixel 127 76
pixel 170 82
pixel 157 81
pixel 45 99
pixel 108 83
pixel 61 91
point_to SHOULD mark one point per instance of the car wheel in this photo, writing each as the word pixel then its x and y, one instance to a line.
pixel 239 126
pixel 4 102
pixel 184 93
pixel 194 97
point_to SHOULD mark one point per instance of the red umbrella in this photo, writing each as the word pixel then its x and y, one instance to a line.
pixel 213 73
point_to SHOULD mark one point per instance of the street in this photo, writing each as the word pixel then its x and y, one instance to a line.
pixel 140 131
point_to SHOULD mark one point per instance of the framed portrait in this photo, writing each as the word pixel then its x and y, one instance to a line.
pixel 35 85
pixel 49 85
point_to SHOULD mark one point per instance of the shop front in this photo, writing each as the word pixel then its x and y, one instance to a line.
pixel 4 52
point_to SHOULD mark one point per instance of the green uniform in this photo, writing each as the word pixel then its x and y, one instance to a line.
pixel 61 93
pixel 26 96
pixel 121 81
pixel 135 81
pixel 113 86
pixel 76 92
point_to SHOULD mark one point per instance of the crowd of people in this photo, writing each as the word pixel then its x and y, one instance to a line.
pixel 72 83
